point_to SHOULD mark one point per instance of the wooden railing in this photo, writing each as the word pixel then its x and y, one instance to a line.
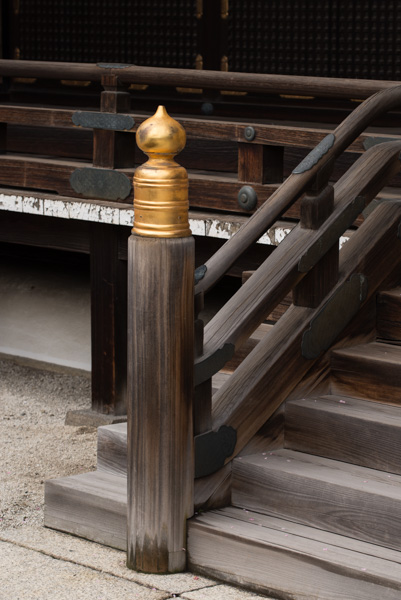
pixel 305 262
pixel 49 148
pixel 328 292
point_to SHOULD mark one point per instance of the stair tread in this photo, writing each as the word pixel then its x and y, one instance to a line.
pixel 269 528
pixel 377 351
pixel 93 482
pixel 367 410
pixel 329 470
pixel 280 554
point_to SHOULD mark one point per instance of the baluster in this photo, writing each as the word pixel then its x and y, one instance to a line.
pixel 161 354
pixel 113 149
pixel 316 206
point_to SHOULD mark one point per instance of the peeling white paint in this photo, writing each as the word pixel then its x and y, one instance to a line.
pixel 280 233
pixel 33 206
pixel 198 227
pixel 343 239
pixel 11 203
pixel 56 208
pixel 205 225
pixel 127 217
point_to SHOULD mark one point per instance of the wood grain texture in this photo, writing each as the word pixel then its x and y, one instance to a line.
pixel 252 342
pixel 91 505
pixel 160 392
pixel 342 498
pixel 319 281
pixel 260 164
pixel 112 449
pixel 389 315
pixel 108 321
pixel 257 387
pixel 297 183
pixel 346 429
pixel 249 82
pixel 369 371
pixel 289 561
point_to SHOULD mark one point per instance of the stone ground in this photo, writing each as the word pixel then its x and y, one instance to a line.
pixel 35 445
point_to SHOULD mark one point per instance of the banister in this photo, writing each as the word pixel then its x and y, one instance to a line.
pixel 278 363
pixel 284 268
pixel 296 184
pixel 248 82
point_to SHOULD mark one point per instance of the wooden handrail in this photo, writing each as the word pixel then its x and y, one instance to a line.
pixel 248 82
pixel 295 185
pixel 257 387
pixel 283 269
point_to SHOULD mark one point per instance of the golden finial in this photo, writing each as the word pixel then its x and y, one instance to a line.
pixel 160 184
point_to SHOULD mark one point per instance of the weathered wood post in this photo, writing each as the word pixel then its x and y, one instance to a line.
pixel 160 354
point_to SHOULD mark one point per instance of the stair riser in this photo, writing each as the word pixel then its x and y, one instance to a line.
pixel 112 449
pixel 373 373
pixel 343 436
pixel 85 515
pixel 368 385
pixel 389 316
pixel 314 502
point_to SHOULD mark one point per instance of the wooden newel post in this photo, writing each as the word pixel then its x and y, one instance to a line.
pixel 160 354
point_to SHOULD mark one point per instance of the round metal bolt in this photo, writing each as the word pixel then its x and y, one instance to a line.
pixel 207 108
pixel 249 134
pixel 247 198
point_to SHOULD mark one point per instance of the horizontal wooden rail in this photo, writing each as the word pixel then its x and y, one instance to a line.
pixel 209 128
pixel 296 184
pixel 281 271
pixel 248 82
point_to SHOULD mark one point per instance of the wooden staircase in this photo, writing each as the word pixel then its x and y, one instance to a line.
pixel 318 518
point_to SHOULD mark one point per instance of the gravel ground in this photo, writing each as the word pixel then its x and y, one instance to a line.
pixel 35 445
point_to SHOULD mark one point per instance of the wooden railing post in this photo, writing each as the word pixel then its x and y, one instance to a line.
pixel 160 354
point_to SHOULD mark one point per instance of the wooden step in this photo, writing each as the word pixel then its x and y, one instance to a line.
pixel 389 315
pixel 371 371
pixel 287 560
pixel 348 429
pixel 112 439
pixel 92 505
pixel 361 503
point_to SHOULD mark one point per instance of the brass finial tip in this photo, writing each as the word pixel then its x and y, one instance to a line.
pixel 160 134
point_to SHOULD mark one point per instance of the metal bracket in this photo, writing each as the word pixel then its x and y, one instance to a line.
pixel 369 142
pixel 103 184
pixel 98 120
pixel 113 66
pixel 316 154
pixel 212 449
pixel 334 316
pixel 331 235
pixel 200 272
pixel 206 368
